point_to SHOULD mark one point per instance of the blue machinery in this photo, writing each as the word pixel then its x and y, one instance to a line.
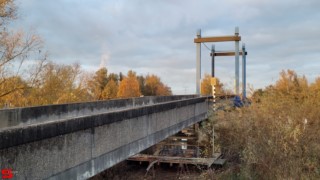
pixel 235 38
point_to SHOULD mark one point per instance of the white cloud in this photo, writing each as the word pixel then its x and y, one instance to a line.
pixel 157 36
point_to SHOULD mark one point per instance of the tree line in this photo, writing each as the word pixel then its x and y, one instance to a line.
pixel 27 78
pixel 56 83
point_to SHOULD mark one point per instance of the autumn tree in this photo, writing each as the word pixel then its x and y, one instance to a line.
pixel 151 85
pixel 289 81
pixel 120 76
pixel 110 90
pixel 142 80
pixel 291 84
pixel 206 88
pixel 18 96
pixel 154 87
pixel 59 84
pixel 114 77
pixel 7 11
pixel 315 88
pixel 129 86
pixel 15 48
pixel 163 90
pixel 97 83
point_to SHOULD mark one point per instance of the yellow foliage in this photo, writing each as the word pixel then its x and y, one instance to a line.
pixel 129 86
pixel 154 87
pixel 206 88
pixel 110 90
pixel 97 83
pixel 13 92
pixel 57 84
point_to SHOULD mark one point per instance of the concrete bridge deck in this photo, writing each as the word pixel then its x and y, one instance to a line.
pixel 77 141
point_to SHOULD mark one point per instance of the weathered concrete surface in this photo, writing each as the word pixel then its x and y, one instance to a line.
pixel 39 114
pixel 78 148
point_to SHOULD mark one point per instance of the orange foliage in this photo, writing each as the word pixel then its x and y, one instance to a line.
pixel 154 87
pixel 129 86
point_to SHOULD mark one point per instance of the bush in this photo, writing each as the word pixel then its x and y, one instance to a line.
pixel 277 137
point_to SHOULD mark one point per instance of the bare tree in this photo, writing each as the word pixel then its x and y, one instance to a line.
pixel 15 48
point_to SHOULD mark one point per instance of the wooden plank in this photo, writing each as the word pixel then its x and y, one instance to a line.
pixel 180 144
pixel 174 160
pixel 226 53
pixel 182 137
pixel 217 39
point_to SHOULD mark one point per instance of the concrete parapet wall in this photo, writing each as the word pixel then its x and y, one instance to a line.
pixel 81 147
pixel 40 114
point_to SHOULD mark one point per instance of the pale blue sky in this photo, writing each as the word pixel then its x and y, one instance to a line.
pixel 157 36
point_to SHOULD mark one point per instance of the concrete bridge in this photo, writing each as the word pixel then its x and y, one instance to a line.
pixel 77 141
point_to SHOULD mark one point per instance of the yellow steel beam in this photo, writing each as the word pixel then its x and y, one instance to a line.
pixel 217 39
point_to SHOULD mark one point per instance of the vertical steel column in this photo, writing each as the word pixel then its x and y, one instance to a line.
pixel 237 62
pixel 212 61
pixel 244 72
pixel 198 66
